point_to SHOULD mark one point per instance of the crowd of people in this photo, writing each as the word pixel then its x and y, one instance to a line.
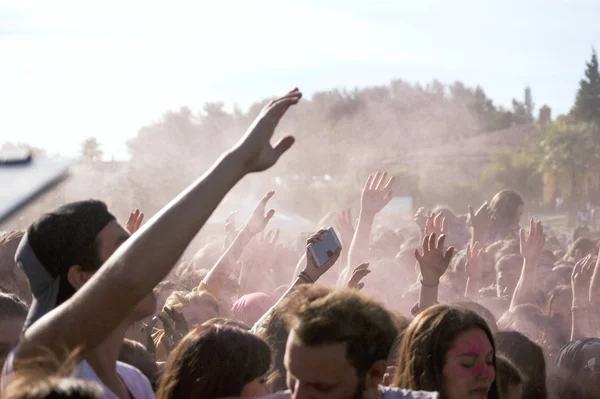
pixel 453 306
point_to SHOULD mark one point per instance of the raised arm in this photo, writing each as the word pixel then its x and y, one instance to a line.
pixel 473 270
pixel 255 225
pixel 433 263
pixel 376 194
pixel 310 274
pixel 480 221
pixel 595 285
pixel 581 307
pixel 532 245
pixel 144 260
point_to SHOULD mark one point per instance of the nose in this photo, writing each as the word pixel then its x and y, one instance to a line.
pixel 487 372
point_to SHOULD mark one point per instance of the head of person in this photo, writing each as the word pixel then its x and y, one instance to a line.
pixel 136 355
pixel 481 311
pixel 508 270
pixel 12 317
pixel 578 232
pixel 275 331
pixel 580 360
pixel 214 362
pixel 12 278
pixel 510 381
pixel 338 346
pixel 558 307
pixel 63 249
pixel 249 308
pixel 196 306
pixel 54 388
pixel 547 259
pixel 581 248
pixel 528 358
pixel 449 350
pixel 507 208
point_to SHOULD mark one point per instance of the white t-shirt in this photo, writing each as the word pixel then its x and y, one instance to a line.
pixel 386 393
pixel 137 384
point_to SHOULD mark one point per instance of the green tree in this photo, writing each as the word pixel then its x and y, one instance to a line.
pixel 587 102
pixel 568 151
pixel 90 150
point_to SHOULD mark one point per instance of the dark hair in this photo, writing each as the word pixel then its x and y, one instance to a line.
pixel 579 232
pixel 214 362
pixel 585 246
pixel 426 343
pixel 571 357
pixel 528 358
pixel 136 355
pixel 507 375
pixel 11 306
pixel 562 289
pixel 275 331
pixel 348 316
pixel 55 388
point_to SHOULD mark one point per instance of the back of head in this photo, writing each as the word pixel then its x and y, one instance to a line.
pixel 579 232
pixel 504 206
pixel 507 376
pixel 54 388
pixel 249 308
pixel 481 311
pixel 213 362
pixel 53 244
pixel 11 306
pixel 275 332
pixel 136 355
pixel 426 342
pixel 583 247
pixel 572 357
pixel 527 357
pixel 347 316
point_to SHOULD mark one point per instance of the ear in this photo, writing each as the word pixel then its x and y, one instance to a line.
pixel 77 277
pixel 375 374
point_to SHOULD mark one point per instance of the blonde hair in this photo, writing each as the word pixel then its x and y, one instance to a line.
pixel 179 299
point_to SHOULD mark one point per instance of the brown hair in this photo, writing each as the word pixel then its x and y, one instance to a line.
pixel 180 299
pixel 507 375
pixel 428 339
pixel 213 362
pixel 136 355
pixel 348 316
pixel 504 208
pixel 275 331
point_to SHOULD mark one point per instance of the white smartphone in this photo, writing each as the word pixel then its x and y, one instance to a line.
pixel 322 250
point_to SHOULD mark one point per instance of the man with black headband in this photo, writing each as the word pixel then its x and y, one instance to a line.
pixel 113 282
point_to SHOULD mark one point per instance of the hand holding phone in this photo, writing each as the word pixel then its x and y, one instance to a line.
pixel 322 252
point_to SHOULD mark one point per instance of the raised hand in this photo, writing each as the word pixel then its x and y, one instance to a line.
pixel 581 279
pixel 230 231
pixel 435 223
pixel 473 266
pixel 345 226
pixel 258 220
pixel 434 260
pixel 532 243
pixel 420 218
pixel 481 221
pixel 255 147
pixel 134 221
pixel 358 274
pixel 311 269
pixel 376 193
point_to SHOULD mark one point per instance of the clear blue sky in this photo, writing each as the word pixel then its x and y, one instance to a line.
pixel 72 69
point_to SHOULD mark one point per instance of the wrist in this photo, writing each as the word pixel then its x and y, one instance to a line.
pixel 581 303
pixel 429 283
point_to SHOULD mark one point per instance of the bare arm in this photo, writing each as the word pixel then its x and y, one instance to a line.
pixel 143 261
pixel 375 196
pixel 473 270
pixel 532 245
pixel 595 285
pixel 433 263
pixel 309 275
pixel 255 225
pixel 581 309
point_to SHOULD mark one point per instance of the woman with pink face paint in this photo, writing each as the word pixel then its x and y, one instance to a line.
pixel 450 350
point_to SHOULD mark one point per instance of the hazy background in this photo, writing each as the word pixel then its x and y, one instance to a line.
pixel 71 70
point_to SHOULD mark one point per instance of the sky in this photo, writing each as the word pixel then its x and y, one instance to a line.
pixel 70 70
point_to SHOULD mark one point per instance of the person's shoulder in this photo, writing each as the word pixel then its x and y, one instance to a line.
pixel 136 382
pixel 397 393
